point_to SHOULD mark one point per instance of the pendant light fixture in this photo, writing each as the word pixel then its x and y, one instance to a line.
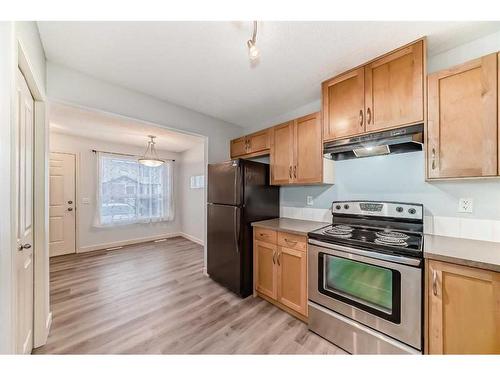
pixel 150 158
pixel 253 51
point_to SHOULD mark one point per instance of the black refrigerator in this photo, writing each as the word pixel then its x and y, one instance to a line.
pixel 238 194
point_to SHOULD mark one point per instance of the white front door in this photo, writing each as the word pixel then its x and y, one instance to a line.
pixel 62 204
pixel 24 217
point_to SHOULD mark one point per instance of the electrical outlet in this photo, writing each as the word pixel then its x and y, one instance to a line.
pixel 309 200
pixel 465 205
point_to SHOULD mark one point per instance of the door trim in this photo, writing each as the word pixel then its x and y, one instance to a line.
pixel 77 194
pixel 41 303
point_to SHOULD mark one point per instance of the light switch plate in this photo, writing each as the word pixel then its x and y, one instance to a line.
pixel 465 205
pixel 85 201
pixel 309 200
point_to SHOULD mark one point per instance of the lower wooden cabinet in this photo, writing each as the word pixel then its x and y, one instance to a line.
pixel 292 280
pixel 265 268
pixel 280 272
pixel 463 309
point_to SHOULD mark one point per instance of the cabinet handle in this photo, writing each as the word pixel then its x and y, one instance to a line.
pixel 290 172
pixel 434 283
pixel 295 171
pixel 290 241
pixel 433 158
pixel 368 115
pixel 278 259
pixel 360 117
pixel 274 256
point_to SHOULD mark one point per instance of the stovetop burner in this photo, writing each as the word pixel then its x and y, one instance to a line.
pixel 379 226
pixel 340 231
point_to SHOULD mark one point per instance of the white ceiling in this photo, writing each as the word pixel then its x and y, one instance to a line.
pixel 96 125
pixel 204 65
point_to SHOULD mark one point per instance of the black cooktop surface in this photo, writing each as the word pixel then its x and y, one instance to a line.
pixel 372 238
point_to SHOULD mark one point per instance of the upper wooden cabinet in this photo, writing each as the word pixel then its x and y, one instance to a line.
pixel 238 147
pixel 308 150
pixel 282 154
pixel 464 309
pixel 385 93
pixel 344 105
pixel 394 89
pixel 251 145
pixel 462 129
pixel 297 153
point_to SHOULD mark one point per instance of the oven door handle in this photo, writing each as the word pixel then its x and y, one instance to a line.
pixel 369 254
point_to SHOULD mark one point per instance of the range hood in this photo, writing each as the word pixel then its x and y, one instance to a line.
pixel 407 139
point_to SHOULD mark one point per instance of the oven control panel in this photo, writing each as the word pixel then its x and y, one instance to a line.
pixel 384 209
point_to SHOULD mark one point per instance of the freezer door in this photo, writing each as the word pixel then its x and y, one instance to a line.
pixel 224 245
pixel 225 183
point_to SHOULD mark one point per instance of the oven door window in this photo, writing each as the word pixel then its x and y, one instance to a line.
pixel 371 288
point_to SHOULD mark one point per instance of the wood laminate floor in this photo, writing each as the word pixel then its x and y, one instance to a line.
pixel 153 298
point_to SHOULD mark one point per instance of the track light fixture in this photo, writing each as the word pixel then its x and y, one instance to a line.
pixel 253 51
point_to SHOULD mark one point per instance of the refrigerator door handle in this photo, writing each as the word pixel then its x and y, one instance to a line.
pixel 237 229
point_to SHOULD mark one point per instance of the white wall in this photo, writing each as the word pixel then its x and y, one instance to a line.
pixel 90 237
pixel 192 200
pixel 69 86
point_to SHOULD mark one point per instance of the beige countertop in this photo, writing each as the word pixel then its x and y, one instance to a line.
pixel 301 227
pixel 474 253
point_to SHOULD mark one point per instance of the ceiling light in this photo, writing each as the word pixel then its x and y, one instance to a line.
pixel 371 151
pixel 253 51
pixel 150 158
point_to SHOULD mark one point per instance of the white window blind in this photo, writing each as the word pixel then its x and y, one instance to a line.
pixel 129 192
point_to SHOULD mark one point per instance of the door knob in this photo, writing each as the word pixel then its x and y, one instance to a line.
pixel 70 202
pixel 25 246
pixel 70 209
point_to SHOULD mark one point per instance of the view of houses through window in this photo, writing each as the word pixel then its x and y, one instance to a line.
pixel 130 192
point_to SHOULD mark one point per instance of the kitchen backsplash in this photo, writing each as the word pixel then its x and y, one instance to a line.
pixel 402 178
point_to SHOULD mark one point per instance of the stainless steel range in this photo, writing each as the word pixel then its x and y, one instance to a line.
pixel 365 277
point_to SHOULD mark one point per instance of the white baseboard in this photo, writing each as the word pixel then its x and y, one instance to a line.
pixel 48 323
pixel 85 249
pixel 192 238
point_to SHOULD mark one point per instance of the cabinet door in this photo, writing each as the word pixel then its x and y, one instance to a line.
pixel 394 88
pixel 292 279
pixel 282 154
pixel 308 155
pixel 258 141
pixel 462 124
pixel 464 309
pixel 238 147
pixel 343 105
pixel 265 268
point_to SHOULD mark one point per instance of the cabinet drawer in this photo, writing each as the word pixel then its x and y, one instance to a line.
pixel 292 241
pixel 266 235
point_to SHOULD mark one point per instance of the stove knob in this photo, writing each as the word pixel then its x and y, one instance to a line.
pixel 346 206
pixel 399 209
pixel 412 211
pixel 338 207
